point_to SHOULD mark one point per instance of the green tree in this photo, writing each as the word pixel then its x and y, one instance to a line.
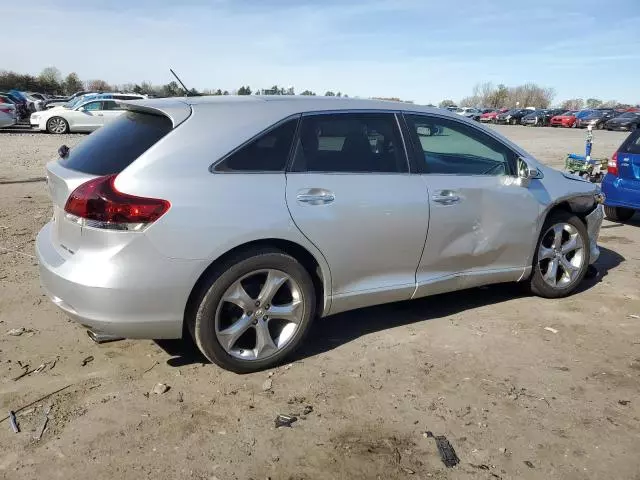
pixel 447 103
pixel 244 90
pixel 50 80
pixel 329 93
pixel 308 93
pixel 72 84
pixel 593 102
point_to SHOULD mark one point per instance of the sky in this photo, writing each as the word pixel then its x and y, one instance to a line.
pixel 420 50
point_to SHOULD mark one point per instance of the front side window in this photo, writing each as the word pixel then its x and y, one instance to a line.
pixel 350 143
pixel 92 106
pixel 267 153
pixel 445 146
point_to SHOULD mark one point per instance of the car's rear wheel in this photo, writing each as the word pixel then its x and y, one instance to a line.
pixel 562 256
pixel 57 125
pixel 253 311
pixel 618 214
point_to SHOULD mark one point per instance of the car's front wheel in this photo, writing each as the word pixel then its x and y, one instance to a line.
pixel 57 125
pixel 618 214
pixel 253 311
pixel 561 257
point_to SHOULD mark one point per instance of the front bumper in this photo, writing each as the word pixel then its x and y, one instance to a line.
pixel 132 293
pixel 594 222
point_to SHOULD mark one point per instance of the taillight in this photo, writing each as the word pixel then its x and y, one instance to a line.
pixel 98 204
pixel 5 110
pixel 612 165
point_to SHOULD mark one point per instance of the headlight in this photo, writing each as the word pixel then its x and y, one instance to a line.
pixel 508 117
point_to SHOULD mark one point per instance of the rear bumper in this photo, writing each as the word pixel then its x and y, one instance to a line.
pixel 132 293
pixel 594 222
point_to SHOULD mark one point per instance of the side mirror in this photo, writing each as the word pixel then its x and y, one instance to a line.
pixel 527 173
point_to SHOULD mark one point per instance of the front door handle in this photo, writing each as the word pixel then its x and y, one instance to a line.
pixel 446 197
pixel 315 196
pixel 100 115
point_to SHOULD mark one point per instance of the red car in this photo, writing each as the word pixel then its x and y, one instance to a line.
pixel 567 119
pixel 490 117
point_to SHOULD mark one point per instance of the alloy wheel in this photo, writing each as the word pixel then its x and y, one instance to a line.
pixel 259 314
pixel 57 125
pixel 561 255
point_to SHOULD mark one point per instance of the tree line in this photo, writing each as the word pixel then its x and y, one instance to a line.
pixel 51 81
pixel 486 94
pixel 528 95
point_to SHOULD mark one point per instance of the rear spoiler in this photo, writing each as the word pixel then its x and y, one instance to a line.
pixel 174 109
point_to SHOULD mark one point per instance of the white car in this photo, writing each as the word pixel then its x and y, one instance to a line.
pixel 85 116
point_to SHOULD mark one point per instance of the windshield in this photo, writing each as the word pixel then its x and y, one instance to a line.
pixel 568 114
pixel 76 101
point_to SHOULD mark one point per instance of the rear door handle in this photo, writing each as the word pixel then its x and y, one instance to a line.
pixel 315 196
pixel 446 197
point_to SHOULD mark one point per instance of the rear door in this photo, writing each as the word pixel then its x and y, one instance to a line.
pixel 111 109
pixel 481 221
pixel 350 193
pixel 87 118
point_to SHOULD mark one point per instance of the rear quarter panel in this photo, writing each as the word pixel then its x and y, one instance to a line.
pixel 212 213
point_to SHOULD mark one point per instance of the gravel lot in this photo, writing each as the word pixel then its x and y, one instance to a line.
pixel 516 400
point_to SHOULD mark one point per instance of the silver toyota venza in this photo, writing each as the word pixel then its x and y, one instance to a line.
pixel 241 219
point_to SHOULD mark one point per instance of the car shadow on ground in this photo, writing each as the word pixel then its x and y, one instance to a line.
pixel 334 331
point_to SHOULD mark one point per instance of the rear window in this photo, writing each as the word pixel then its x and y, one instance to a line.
pixel 632 143
pixel 114 147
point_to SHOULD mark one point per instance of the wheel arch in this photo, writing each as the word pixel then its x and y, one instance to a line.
pixel 318 270
pixel 581 206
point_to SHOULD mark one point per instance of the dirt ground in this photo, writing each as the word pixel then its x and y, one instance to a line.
pixel 516 400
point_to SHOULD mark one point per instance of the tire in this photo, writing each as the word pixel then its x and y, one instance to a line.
pixel 208 310
pixel 618 214
pixel 565 280
pixel 57 125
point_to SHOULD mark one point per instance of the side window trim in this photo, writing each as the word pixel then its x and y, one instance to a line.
pixel 418 153
pixel 213 167
pixel 398 120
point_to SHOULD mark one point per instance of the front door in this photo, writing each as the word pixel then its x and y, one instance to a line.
pixel 350 193
pixel 482 221
pixel 88 117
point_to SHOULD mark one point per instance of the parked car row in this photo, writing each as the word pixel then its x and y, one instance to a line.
pixel 83 113
pixel 598 118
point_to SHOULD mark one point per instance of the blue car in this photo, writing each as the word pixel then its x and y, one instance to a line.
pixel 621 184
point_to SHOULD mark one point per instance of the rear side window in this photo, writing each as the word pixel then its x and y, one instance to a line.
pixel 268 152
pixel 350 143
pixel 114 147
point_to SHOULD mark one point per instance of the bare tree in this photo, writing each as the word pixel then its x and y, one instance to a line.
pixel 573 104
pixel 447 103
pixel 97 86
